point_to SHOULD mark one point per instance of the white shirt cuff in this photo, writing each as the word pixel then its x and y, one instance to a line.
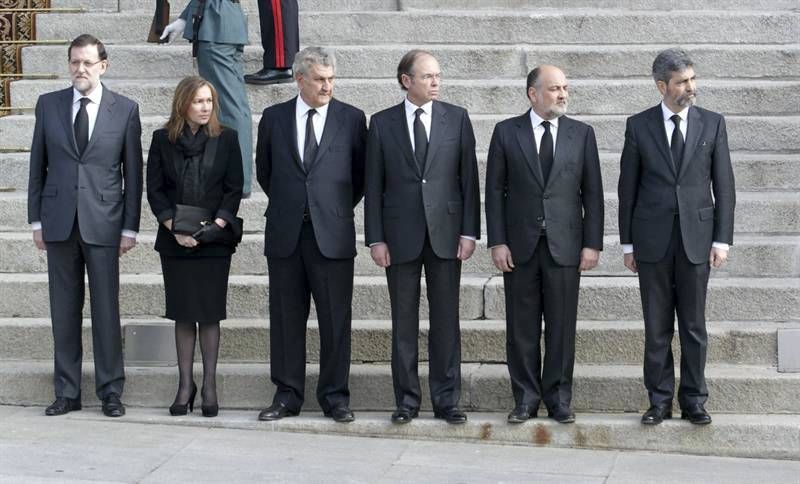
pixel 376 243
pixel 721 245
pixel 627 248
pixel 469 237
pixel 36 225
pixel 129 233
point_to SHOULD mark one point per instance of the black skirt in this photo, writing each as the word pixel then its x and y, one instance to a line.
pixel 196 287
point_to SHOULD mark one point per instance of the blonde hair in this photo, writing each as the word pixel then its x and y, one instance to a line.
pixel 182 100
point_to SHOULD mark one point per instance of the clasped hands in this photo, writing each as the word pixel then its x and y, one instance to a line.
pixel 208 233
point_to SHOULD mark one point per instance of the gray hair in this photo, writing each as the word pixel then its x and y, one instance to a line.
pixel 310 56
pixel 669 61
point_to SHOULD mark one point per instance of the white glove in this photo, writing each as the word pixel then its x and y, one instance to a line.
pixel 174 29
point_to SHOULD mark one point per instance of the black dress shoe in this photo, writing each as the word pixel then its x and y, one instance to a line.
pixel 522 413
pixel 112 406
pixel 696 414
pixel 276 411
pixel 657 414
pixel 341 414
pixel 452 415
pixel 561 414
pixel 269 76
pixel 63 405
pixel 403 415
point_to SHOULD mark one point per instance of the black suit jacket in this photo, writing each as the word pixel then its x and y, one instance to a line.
pixel 518 199
pixel 103 186
pixel 222 169
pixel 333 186
pixel 401 204
pixel 651 192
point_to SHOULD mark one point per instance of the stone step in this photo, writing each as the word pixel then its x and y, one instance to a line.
pixel 249 6
pixel 458 61
pixel 485 387
pixel 482 297
pixel 476 27
pixel 751 256
pixel 745 133
pixel 756 213
pixel 754 172
pixel 742 97
pixel 247 340
pixel 731 435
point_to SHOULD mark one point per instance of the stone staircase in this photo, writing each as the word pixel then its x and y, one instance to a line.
pixel 747 56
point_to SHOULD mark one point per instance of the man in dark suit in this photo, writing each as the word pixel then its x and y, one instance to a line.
pixel 310 163
pixel 84 201
pixel 280 38
pixel 544 216
pixel 673 229
pixel 422 208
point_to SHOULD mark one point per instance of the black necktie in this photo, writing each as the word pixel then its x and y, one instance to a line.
pixel 420 140
pixel 676 145
pixel 546 151
pixel 81 126
pixel 310 148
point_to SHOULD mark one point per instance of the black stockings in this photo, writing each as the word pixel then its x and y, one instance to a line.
pixel 185 336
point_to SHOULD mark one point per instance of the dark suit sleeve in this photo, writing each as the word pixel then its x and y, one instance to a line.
pixel 264 154
pixel 156 193
pixel 628 182
pixel 723 186
pixel 592 194
pixel 470 186
pixel 358 155
pixel 374 179
pixel 38 166
pixel 496 187
pixel 234 177
pixel 132 168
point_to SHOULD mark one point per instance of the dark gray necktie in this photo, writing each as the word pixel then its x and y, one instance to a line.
pixel 420 140
pixel 310 148
pixel 81 126
pixel 676 144
pixel 546 151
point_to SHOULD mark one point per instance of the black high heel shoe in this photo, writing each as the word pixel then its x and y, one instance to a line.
pixel 183 408
pixel 210 410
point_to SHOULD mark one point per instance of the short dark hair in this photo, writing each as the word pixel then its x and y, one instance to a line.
pixel 84 40
pixel 533 77
pixel 406 65
pixel 669 61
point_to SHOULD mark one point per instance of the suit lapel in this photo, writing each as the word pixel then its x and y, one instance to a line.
pixel 401 136
pixel 105 116
pixel 656 125
pixel 65 113
pixel 209 157
pixel 528 146
pixel 289 127
pixel 564 143
pixel 329 131
pixel 438 128
pixel 694 127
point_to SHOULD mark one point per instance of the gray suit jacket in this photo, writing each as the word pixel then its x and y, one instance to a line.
pixel 518 199
pixel 401 204
pixel 223 22
pixel 103 187
pixel 651 191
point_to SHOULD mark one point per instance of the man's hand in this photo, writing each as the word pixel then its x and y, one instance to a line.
pixel 126 244
pixel 185 240
pixel 380 254
pixel 465 248
pixel 501 256
pixel 38 241
pixel 630 263
pixel 717 257
pixel 174 29
pixel 589 258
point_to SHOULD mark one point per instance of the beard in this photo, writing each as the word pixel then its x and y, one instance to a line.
pixel 686 100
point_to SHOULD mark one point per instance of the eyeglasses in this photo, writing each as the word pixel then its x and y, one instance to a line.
pixel 76 64
pixel 430 77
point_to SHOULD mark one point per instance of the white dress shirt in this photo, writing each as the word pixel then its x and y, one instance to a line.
pixel 538 130
pixel 92 107
pixel 425 117
pixel 669 127
pixel 301 117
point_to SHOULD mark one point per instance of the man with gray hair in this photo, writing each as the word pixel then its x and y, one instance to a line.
pixel 310 163
pixel 676 202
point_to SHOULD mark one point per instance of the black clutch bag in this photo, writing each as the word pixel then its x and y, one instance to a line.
pixel 189 219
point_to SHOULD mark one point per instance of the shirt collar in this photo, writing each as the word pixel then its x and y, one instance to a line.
pixel 411 107
pixel 302 108
pixel 536 120
pixel 667 113
pixel 94 96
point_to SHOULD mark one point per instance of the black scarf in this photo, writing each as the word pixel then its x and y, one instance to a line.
pixel 192 144
pixel 192 147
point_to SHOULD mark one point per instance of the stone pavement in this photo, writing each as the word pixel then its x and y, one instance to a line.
pixel 87 447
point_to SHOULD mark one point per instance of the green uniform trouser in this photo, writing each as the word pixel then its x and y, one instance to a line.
pixel 223 66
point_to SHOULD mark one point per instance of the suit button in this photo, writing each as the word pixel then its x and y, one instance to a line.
pixel 539 219
pixel 546 197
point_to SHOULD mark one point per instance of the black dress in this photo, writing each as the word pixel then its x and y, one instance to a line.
pixel 188 172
